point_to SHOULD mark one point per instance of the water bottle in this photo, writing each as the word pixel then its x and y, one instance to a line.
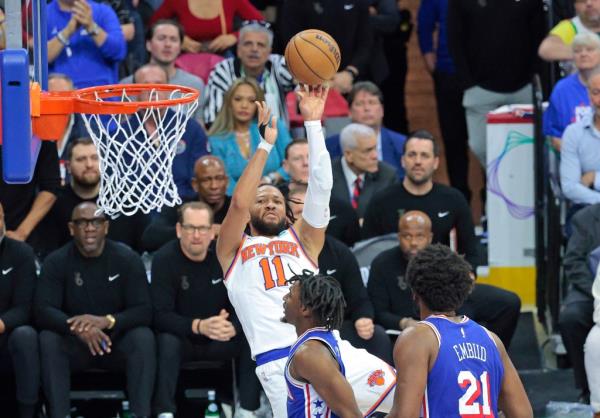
pixel 212 409
pixel 125 412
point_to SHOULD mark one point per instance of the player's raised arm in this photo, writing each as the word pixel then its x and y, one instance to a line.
pixel 512 400
pixel 313 363
pixel 315 215
pixel 413 353
pixel 232 228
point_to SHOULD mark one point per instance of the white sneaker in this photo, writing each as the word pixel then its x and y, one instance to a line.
pixel 166 415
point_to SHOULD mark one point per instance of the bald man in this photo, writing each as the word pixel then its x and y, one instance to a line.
pixel 209 183
pixel 392 299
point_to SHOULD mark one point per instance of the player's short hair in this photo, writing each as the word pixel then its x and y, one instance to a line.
pixel 83 140
pixel 293 143
pixel 323 295
pixel 194 206
pixel 366 86
pixel 440 277
pixel 422 134
pixel 152 29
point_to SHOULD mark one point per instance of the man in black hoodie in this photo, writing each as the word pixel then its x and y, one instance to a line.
pixel 93 308
pixel 17 338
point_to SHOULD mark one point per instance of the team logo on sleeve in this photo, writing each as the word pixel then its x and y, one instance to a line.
pixel 376 378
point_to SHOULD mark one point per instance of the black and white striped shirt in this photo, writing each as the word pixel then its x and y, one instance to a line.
pixel 227 71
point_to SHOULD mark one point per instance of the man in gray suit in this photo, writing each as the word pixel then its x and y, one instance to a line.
pixel 359 174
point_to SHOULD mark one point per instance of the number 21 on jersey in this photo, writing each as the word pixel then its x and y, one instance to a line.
pixel 476 389
pixel 272 280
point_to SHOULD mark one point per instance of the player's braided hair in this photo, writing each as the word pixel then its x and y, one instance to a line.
pixel 323 295
pixel 440 277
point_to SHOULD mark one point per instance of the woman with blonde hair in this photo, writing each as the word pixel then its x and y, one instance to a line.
pixel 234 135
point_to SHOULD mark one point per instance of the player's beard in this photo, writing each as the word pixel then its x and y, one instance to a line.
pixel 269 230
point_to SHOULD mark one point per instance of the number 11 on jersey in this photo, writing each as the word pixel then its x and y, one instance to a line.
pixel 268 276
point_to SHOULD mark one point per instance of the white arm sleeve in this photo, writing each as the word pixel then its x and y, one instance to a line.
pixel 320 177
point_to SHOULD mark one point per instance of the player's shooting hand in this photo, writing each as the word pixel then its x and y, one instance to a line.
pixel 264 117
pixel 98 342
pixel 312 101
pixel 364 328
pixel 83 323
pixel 218 327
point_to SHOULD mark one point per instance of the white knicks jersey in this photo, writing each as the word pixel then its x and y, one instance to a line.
pixel 256 285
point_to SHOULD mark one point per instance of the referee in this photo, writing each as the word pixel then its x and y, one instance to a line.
pixel 93 308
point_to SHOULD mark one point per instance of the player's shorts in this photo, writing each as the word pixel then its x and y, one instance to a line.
pixel 272 379
pixel 372 379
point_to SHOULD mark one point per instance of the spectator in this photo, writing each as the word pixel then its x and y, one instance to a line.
pixel 83 167
pixel 208 26
pixel 18 340
pixel 445 206
pixel 210 183
pixel 448 90
pixel 580 155
pixel 93 306
pixel 295 162
pixel 75 127
pixel 192 144
pixel 337 261
pixel 497 308
pixel 85 42
pixel 358 175
pixel 384 20
pixel 347 21
pixel 234 136
pixel 192 312
pixel 557 44
pixel 569 101
pixel 366 107
pixel 254 60
pixel 485 49
pixel 25 205
pixel 576 314
pixel 163 43
pixel 592 351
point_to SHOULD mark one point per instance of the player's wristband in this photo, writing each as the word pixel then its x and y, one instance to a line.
pixel 266 146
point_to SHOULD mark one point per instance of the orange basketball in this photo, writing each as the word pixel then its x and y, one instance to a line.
pixel 313 57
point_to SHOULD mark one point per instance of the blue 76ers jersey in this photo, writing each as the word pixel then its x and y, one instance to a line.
pixel 467 375
pixel 303 401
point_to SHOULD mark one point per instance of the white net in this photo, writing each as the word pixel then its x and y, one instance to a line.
pixel 136 152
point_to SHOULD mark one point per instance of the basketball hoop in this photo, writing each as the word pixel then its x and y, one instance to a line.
pixel 136 129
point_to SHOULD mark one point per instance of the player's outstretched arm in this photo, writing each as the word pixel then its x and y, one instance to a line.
pixel 513 400
pixel 238 215
pixel 414 352
pixel 313 363
pixel 315 215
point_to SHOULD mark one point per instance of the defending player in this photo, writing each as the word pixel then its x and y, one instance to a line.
pixel 322 371
pixel 257 266
pixel 448 365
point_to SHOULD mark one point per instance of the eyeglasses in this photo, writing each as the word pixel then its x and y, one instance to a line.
pixel 203 229
pixel 84 223
pixel 262 23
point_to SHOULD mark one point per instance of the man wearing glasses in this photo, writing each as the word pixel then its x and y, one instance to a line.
pixel 254 59
pixel 210 183
pixel 192 313
pixel 93 308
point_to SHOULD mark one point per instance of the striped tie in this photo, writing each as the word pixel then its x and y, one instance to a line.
pixel 356 193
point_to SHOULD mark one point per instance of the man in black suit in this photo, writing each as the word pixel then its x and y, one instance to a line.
pixel 358 175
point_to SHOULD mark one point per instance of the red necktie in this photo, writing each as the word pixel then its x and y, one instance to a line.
pixel 356 193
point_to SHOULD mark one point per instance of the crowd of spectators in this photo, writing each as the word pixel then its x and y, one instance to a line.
pixel 93 303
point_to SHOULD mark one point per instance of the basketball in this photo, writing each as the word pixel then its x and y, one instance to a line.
pixel 313 57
